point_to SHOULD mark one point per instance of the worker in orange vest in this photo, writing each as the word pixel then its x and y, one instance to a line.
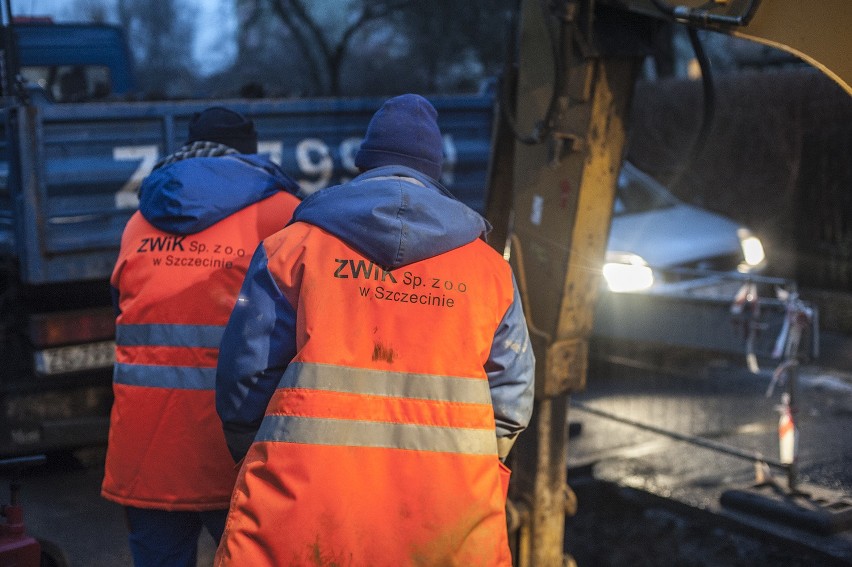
pixel 203 210
pixel 376 367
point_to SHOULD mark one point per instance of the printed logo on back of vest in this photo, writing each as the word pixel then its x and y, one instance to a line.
pixel 181 253
pixel 438 292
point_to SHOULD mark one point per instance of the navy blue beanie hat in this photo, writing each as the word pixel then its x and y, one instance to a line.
pixel 404 131
pixel 223 126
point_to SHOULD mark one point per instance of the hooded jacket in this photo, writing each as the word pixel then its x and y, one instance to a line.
pixel 182 259
pixel 377 350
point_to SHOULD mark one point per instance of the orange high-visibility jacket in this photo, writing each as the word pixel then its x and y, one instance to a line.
pixel 166 447
pixel 378 446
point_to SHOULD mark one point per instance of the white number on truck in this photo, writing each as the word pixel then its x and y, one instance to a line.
pixel 312 157
pixel 128 196
pixel 275 150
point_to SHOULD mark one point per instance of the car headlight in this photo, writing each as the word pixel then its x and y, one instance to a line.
pixel 752 250
pixel 627 272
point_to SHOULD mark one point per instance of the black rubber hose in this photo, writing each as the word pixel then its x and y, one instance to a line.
pixel 704 17
pixel 545 125
pixel 709 94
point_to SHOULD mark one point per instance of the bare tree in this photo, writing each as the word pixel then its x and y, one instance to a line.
pixel 267 61
pixel 161 40
pixel 387 46
pixel 322 45
pixel 317 47
pixel 458 43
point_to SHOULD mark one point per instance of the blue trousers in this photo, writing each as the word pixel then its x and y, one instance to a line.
pixel 170 539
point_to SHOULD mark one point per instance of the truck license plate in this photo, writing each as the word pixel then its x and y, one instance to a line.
pixel 74 358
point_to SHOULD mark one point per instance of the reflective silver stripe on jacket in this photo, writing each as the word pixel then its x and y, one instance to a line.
pixel 381 383
pixel 153 376
pixel 351 433
pixel 199 336
pixel 360 433
pixel 158 335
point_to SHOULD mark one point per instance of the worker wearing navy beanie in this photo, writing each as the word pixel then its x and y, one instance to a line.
pixel 378 350
pixel 202 211
pixel 403 132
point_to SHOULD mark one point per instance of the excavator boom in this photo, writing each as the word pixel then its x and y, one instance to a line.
pixel 557 150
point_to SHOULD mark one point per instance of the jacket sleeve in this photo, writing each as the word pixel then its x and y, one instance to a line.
pixel 257 345
pixel 511 371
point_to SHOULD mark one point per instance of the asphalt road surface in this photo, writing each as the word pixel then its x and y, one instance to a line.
pixel 724 403
pixel 63 506
pixel 707 420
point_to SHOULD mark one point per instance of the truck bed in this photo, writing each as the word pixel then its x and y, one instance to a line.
pixel 62 210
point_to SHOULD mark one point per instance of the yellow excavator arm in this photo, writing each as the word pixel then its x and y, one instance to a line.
pixel 557 149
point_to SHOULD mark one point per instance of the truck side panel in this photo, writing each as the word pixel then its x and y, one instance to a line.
pixel 81 165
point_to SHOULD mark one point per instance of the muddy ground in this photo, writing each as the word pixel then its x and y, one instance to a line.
pixel 618 527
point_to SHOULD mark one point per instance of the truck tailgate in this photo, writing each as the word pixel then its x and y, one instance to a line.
pixel 73 187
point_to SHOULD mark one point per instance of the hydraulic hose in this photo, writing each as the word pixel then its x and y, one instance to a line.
pixel 685 14
pixel 708 91
pixel 557 43
pixel 708 106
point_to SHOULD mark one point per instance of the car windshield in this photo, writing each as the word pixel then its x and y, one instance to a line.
pixel 638 192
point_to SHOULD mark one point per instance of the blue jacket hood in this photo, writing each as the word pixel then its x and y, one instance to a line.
pixel 394 215
pixel 190 195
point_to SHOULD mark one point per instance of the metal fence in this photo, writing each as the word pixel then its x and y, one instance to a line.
pixel 721 408
pixel 772 440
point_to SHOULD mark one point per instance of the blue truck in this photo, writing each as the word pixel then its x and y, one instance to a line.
pixel 73 151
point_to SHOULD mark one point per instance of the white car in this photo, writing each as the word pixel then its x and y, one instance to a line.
pixel 659 243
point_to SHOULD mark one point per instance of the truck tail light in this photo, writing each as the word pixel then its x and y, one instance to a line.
pixel 72 327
